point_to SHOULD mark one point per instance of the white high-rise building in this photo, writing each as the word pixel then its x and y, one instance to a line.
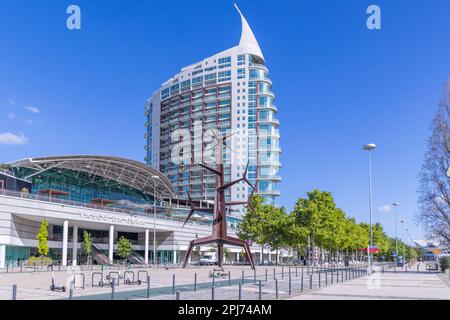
pixel 230 92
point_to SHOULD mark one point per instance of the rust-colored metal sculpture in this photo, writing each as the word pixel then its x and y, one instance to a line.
pixel 219 231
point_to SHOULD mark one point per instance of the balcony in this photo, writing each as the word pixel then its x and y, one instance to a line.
pixel 268 193
pixel 269 178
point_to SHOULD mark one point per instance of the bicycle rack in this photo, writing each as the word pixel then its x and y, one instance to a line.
pixel 109 277
pixel 83 278
pixel 130 281
pixel 139 276
pixel 100 283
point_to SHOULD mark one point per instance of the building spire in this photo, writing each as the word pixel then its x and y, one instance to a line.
pixel 248 39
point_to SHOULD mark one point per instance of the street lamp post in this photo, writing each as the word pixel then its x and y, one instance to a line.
pixel 155 179
pixel 403 222
pixel 396 204
pixel 369 147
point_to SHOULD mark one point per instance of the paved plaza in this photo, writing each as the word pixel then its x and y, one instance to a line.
pixel 267 283
pixel 390 285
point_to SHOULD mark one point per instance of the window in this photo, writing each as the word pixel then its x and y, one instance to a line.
pixel 165 93
pixel 241 73
pixel 241 60
pixel 211 77
pixel 186 83
pixel 224 76
pixel 224 62
pixel 197 72
pixel 197 81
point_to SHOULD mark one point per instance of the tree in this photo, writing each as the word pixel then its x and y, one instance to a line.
pixel 226 253
pixel 124 248
pixel 321 220
pixel 265 224
pixel 42 238
pixel 250 227
pixel 434 191
pixel 87 244
pixel 197 251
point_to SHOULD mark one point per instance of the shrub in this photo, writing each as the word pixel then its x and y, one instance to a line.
pixel 39 261
pixel 445 263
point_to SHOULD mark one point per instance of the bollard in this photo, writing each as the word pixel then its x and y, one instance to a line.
pixel 326 279
pixel 310 281
pixel 173 284
pixel 290 286
pixel 14 292
pixel 178 295
pixel 213 293
pixel 113 288
pixel 240 291
pixel 260 290
pixel 266 275
pixel 319 278
pixel 243 281
pixel 301 284
pixel 72 283
pixel 229 278
pixel 195 281
pixel 276 289
pixel 148 286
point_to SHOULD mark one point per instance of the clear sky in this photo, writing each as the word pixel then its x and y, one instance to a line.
pixel 338 85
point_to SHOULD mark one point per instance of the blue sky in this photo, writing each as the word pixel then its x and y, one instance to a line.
pixel 338 84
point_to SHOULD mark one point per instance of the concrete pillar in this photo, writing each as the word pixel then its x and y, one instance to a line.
pixel 2 256
pixel 111 244
pixel 75 245
pixel 147 235
pixel 65 240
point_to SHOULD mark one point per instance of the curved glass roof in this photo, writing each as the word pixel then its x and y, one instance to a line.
pixel 123 171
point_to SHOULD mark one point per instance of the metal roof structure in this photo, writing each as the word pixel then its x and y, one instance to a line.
pixel 123 171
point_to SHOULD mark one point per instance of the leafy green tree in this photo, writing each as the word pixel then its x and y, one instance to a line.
pixel 87 244
pixel 197 251
pixel 321 220
pixel 266 224
pixel 42 238
pixel 250 227
pixel 124 248
pixel 226 253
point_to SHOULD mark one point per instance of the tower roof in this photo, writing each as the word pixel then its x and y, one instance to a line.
pixel 248 39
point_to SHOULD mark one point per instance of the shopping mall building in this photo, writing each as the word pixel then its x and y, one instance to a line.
pixel 109 197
